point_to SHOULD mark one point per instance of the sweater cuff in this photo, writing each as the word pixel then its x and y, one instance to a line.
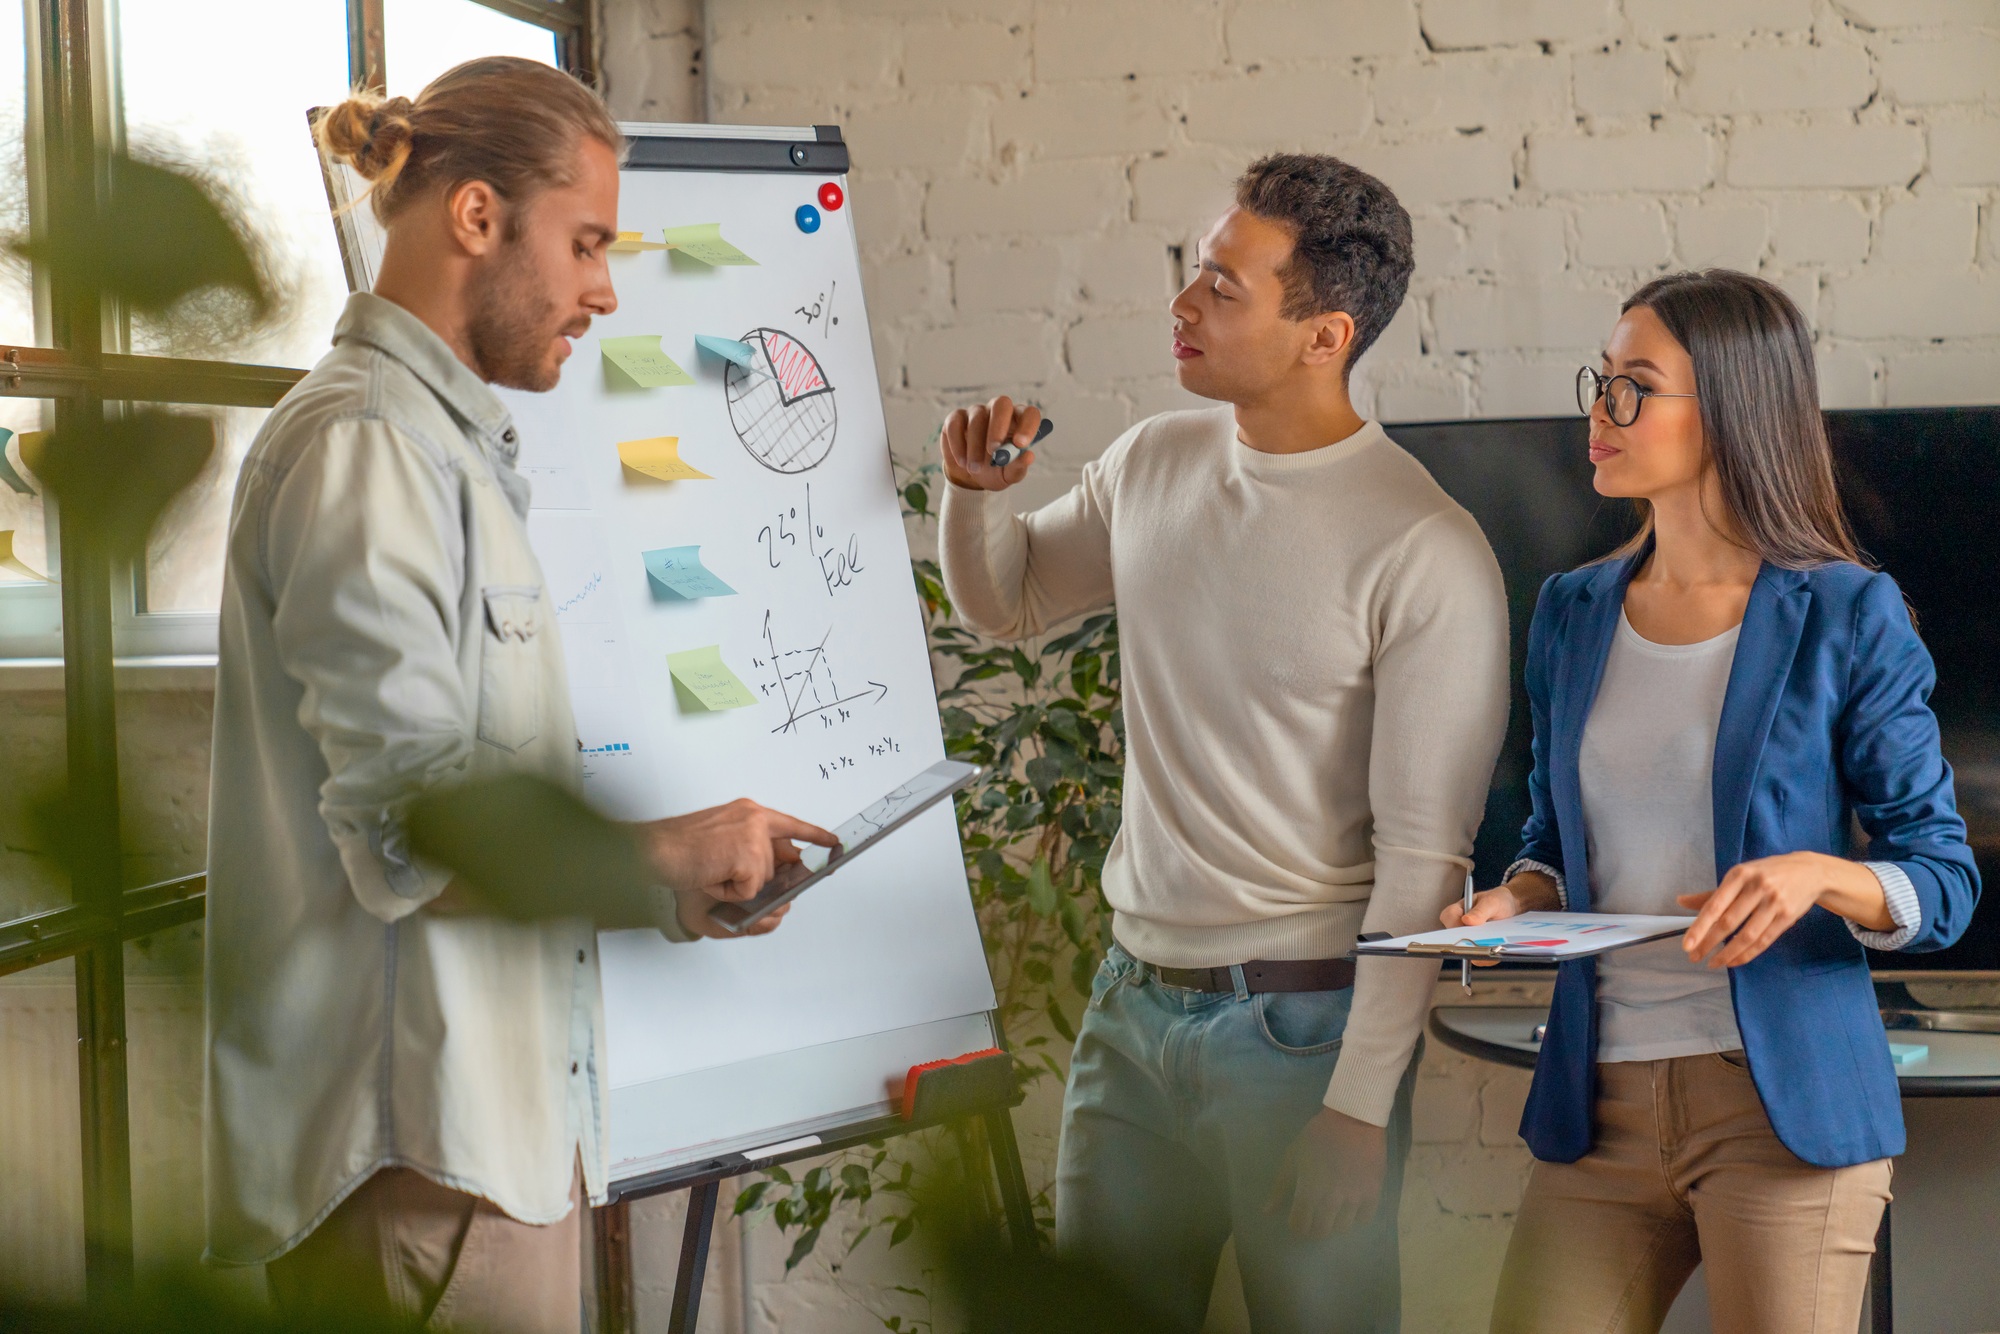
pixel 1529 864
pixel 1904 909
pixel 1364 1095
pixel 1391 999
pixel 667 918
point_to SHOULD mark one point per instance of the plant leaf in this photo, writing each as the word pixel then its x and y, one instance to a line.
pixel 531 850
pixel 116 476
pixel 117 247
pixel 1042 893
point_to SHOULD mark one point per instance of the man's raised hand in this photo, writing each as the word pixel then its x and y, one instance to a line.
pixel 971 435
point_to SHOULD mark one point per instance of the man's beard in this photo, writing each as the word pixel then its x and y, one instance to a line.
pixel 510 326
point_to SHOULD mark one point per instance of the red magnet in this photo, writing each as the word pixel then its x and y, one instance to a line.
pixel 830 197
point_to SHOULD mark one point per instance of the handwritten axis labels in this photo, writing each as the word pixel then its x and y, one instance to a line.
pixel 703 241
pixel 679 573
pixel 640 358
pixel 659 457
pixel 631 243
pixel 701 675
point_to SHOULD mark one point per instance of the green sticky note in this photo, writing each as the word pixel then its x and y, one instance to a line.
pixel 703 675
pixel 679 574
pixel 703 241
pixel 639 356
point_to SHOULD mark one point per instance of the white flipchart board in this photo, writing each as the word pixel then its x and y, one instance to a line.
pixel 722 1047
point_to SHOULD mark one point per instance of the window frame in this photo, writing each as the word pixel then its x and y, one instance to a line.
pixel 69 124
pixel 30 615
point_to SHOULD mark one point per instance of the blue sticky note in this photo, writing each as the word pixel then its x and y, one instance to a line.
pixel 1908 1053
pixel 728 349
pixel 677 574
pixel 7 474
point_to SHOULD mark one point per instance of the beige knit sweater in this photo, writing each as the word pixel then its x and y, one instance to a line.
pixel 1314 661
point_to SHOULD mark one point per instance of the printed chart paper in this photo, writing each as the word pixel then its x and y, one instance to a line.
pixel 1540 935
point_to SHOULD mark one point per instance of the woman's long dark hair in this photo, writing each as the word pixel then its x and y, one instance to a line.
pixel 1760 414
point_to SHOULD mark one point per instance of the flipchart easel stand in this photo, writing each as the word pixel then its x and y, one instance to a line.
pixel 980 1103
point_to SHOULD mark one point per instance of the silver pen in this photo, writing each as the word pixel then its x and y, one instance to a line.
pixel 1465 965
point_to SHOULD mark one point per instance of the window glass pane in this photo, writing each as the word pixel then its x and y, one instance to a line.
pixel 22 534
pixel 249 131
pixel 17 303
pixel 41 1168
pixel 424 38
pixel 20 508
pixel 164 1058
pixel 36 760
pixel 184 556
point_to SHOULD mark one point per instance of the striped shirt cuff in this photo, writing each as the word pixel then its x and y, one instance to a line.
pixel 1904 909
pixel 1526 864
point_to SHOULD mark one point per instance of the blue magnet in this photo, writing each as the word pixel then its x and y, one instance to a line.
pixel 807 217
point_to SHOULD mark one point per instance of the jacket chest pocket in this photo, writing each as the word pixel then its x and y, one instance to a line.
pixel 510 666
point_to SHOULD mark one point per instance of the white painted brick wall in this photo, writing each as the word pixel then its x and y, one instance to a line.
pixel 1025 167
pixel 1035 160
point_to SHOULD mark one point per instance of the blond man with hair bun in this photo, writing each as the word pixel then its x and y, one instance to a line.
pixel 405 1108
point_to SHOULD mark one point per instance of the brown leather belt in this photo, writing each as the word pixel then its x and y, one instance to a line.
pixel 1260 975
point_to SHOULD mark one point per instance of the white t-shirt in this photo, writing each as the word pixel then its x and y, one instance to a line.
pixel 1647 767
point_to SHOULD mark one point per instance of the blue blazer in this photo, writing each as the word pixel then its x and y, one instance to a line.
pixel 1826 713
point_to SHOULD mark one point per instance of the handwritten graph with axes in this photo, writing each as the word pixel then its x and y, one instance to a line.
pixel 802 680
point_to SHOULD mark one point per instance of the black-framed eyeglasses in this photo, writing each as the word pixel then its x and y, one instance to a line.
pixel 1623 396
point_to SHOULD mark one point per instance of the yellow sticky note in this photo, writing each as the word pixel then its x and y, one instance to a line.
pixel 704 675
pixel 34 446
pixel 659 457
pixel 632 242
pixel 703 241
pixel 639 356
pixel 11 563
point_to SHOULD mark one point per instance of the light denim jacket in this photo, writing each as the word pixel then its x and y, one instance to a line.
pixel 384 628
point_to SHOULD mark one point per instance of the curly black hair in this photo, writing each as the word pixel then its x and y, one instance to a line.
pixel 1351 245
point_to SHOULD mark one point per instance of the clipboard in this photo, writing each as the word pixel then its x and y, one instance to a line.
pixel 1540 937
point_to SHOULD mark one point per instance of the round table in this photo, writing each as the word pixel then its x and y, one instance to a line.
pixel 1956 1065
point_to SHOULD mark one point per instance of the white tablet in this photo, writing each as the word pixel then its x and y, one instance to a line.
pixel 887 813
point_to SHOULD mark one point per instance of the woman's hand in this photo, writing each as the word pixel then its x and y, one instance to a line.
pixel 1530 891
pixel 1759 900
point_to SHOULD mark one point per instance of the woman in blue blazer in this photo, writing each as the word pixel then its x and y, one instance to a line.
pixel 1716 708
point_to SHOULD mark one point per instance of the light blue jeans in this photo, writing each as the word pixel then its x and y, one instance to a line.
pixel 1179 1110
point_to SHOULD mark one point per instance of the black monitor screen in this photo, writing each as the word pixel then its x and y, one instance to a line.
pixel 1923 492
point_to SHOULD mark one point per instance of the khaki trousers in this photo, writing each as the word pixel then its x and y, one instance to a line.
pixel 404 1249
pixel 1687 1170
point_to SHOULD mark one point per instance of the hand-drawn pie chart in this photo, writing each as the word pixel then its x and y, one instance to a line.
pixel 781 406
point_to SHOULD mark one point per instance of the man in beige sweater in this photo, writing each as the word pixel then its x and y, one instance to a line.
pixel 1314 642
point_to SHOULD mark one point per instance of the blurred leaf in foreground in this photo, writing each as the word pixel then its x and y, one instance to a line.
pixel 528 849
pixel 1001 1290
pixel 117 475
pixel 155 238
pixel 184 1304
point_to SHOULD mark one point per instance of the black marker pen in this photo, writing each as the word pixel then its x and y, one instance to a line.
pixel 1005 453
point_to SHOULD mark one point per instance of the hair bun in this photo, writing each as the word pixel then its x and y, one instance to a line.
pixel 371 134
